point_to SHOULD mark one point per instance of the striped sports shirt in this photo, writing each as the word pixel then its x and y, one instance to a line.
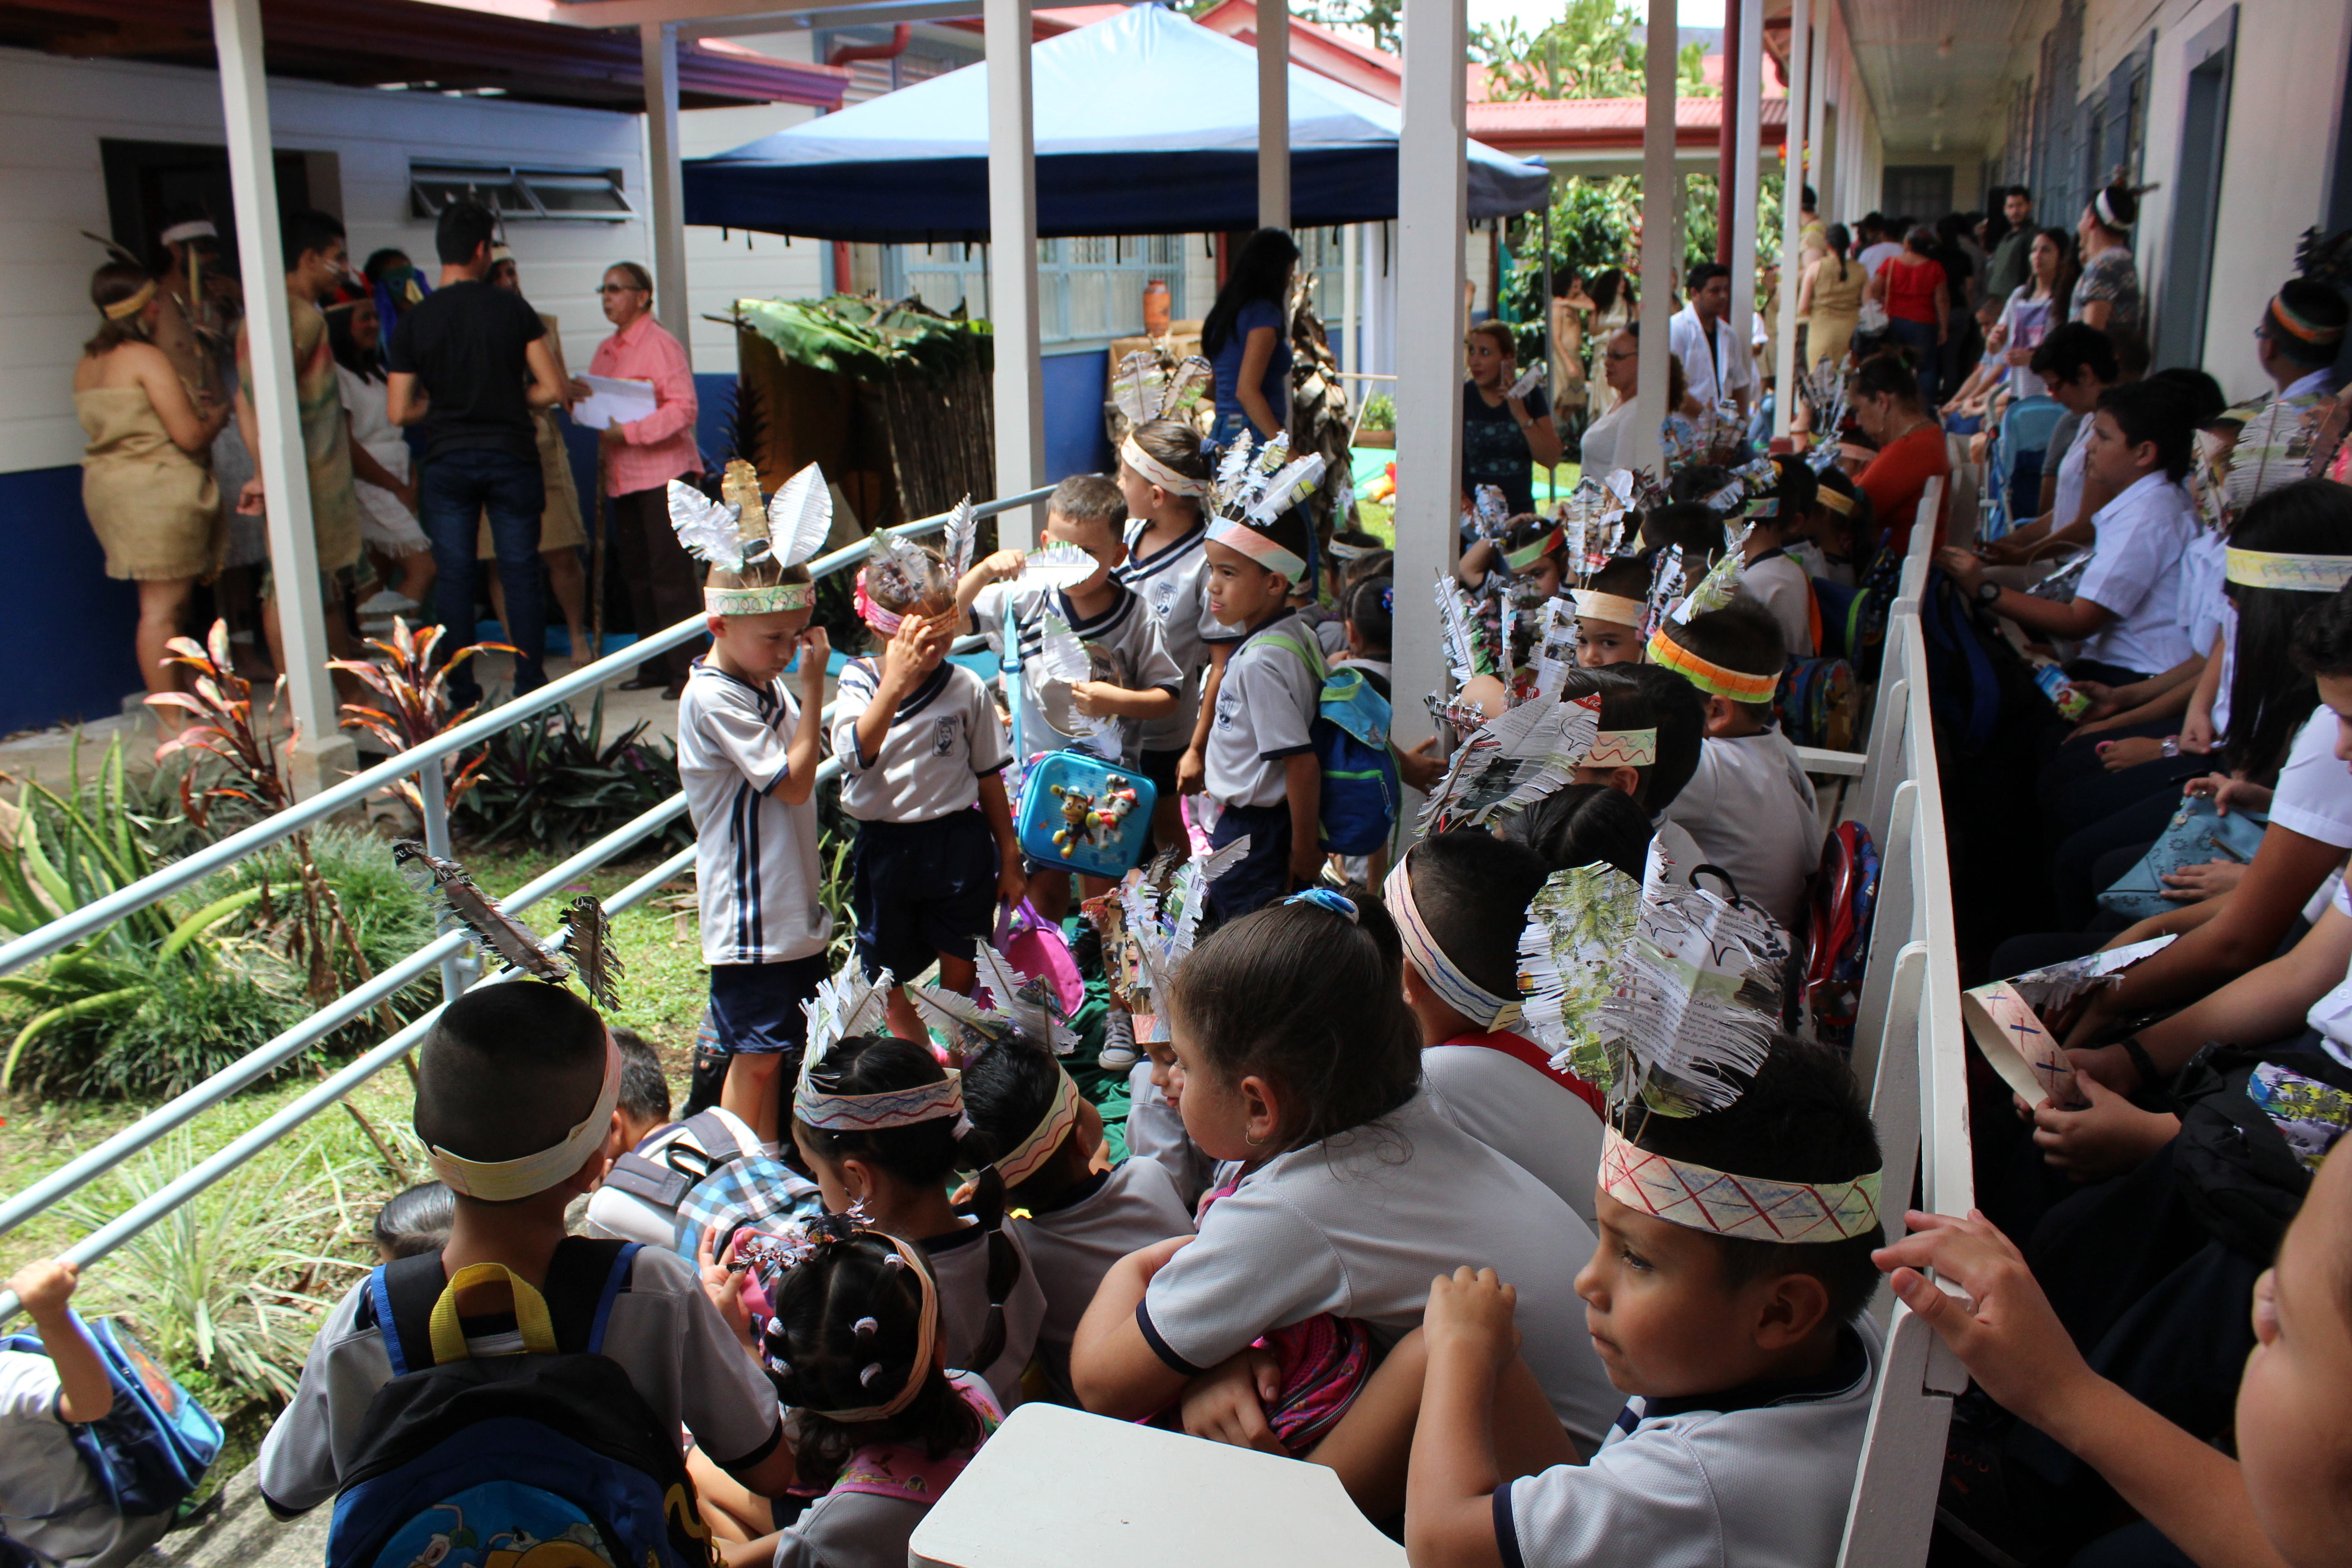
pixel 755 857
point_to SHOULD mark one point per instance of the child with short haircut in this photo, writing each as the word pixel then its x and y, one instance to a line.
pixel 516 1090
pixel 1074 1221
pixel 414 1221
pixel 1460 900
pixel 1135 681
pixel 922 773
pixel 644 1104
pixel 1768 573
pixel 1584 824
pixel 1260 767
pixel 1749 1360
pixel 1294 1050
pixel 1609 610
pixel 1534 553
pixel 876 1122
pixel 1164 479
pixel 747 759
pixel 1748 805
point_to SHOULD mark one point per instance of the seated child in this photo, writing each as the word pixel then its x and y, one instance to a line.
pixel 414 1221
pixel 876 1123
pixel 1838 531
pixel 1609 613
pixel 1584 824
pixel 1136 682
pixel 1768 573
pixel 881 1425
pixel 1748 805
pixel 1747 1362
pixel 1532 556
pixel 53 1512
pixel 516 1086
pixel 1294 1048
pixel 1670 705
pixel 1155 1125
pixel 920 748
pixel 1079 1221
pixel 1460 900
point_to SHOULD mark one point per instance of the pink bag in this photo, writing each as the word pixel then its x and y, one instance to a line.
pixel 1033 946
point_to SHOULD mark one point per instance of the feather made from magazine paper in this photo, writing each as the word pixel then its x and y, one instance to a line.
pixel 2052 988
pixel 845 1003
pixel 1457 630
pixel 1063 566
pixel 963 534
pixel 1721 583
pixel 1579 923
pixel 903 570
pixel 2060 586
pixel 963 1019
pixel 1700 998
pixel 1135 388
pixel 709 529
pixel 800 517
pixel 589 946
pixel 1555 650
pixel 496 934
pixel 1234 466
pixel 1287 489
pixel 1028 1004
pixel 1490 514
pixel 1508 765
pixel 1187 384
pixel 1665 589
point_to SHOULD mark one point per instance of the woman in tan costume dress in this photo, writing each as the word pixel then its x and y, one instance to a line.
pixel 150 498
pixel 560 532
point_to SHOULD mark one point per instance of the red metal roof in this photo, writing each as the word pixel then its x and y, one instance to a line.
pixel 1560 125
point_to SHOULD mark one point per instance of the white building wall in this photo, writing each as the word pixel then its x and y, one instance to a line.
pixel 52 186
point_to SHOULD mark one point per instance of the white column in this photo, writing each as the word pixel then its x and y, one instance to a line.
pixel 1020 395
pixel 1792 222
pixel 1661 203
pixel 1433 211
pixel 1272 114
pixel 1746 127
pixel 1816 78
pixel 324 753
pixel 663 176
pixel 1352 355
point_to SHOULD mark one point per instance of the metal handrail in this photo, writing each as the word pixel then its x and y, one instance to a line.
pixel 68 929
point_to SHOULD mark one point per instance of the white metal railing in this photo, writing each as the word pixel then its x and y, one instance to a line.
pixel 443 951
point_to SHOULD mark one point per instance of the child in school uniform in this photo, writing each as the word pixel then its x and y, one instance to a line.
pixel 1074 1220
pixel 1638 699
pixel 1164 478
pixel 876 1120
pixel 1135 680
pixel 1768 573
pixel 1609 613
pixel 1294 1050
pixel 922 773
pixel 747 759
pixel 1260 768
pixel 1748 805
pixel 1736 1326
pixel 516 1090
pixel 1460 900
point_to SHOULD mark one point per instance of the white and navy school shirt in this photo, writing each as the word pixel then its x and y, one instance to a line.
pixel 1758 1476
pixel 1173 585
pixel 1265 703
pixel 944 738
pixel 1123 644
pixel 2135 572
pixel 755 857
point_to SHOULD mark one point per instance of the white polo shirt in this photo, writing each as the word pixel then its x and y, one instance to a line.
pixel 755 855
pixel 2136 572
pixel 1530 1119
pixel 2066 502
pixel 2315 789
pixel 1123 644
pixel 1750 809
pixel 1780 583
pixel 944 738
pixel 2332 1013
pixel 52 1504
pixel 1172 585
pixel 960 1265
pixel 1266 704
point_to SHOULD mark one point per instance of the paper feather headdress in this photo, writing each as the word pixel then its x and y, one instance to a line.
pixel 746 539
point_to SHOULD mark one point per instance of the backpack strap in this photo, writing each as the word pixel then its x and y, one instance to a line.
pixel 403 1292
pixel 1519 1048
pixel 664 1180
pixel 584 1279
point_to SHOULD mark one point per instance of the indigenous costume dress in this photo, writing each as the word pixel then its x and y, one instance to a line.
pixel 154 508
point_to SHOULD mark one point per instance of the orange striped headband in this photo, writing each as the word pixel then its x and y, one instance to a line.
pixel 2309 332
pixel 1708 676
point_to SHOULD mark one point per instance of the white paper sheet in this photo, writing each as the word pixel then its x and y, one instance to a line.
pixel 612 402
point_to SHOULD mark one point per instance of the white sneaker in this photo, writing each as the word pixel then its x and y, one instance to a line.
pixel 389 602
pixel 1118 1053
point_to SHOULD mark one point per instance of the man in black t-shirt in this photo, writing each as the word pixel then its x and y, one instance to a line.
pixel 469 362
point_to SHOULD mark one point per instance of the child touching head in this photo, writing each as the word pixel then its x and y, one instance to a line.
pixel 1609 613
pixel 879 1123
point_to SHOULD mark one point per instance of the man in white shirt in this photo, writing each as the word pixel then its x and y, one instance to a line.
pixel 1718 364
pixel 1882 242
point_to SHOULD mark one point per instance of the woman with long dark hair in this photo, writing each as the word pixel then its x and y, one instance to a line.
pixel 1247 336
pixel 380 459
pixel 1829 300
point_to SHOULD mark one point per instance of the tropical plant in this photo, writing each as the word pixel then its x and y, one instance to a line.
pixel 1595 49
pixel 1380 412
pixel 867 339
pixel 414 698
pixel 554 783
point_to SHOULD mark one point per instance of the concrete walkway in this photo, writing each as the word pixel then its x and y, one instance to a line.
pixel 244 1534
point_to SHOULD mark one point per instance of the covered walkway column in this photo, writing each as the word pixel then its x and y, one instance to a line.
pixel 1020 397
pixel 1433 214
pixel 1272 114
pixel 1745 69
pixel 665 177
pixel 324 753
pixel 1661 199
pixel 1792 221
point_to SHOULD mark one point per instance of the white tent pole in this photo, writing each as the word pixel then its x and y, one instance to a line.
pixel 1351 353
pixel 1272 114
pixel 1746 126
pixel 1433 212
pixel 663 176
pixel 324 751
pixel 1661 201
pixel 1792 222
pixel 1020 401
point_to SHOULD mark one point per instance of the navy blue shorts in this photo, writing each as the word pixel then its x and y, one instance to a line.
pixel 922 889
pixel 755 1008
pixel 1159 767
pixel 1263 874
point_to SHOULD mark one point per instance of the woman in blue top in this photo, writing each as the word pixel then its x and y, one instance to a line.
pixel 1245 336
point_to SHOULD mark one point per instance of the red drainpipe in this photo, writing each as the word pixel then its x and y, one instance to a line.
pixel 900 37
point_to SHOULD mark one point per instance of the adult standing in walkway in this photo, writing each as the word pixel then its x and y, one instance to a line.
pixel 1919 301
pixel 1608 443
pixel 1246 337
pixel 560 532
pixel 1503 438
pixel 2107 294
pixel 2013 257
pixel 1718 364
pixel 638 460
pixel 1830 300
pixel 469 363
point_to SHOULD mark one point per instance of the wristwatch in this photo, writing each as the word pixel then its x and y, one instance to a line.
pixel 1988 593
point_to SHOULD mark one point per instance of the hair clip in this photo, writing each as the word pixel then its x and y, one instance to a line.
pixel 894 1261
pixel 1324 899
pixel 865 1328
pixel 866 1378
pixel 1388 600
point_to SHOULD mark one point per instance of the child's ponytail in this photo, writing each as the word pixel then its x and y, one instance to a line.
pixel 1004 1263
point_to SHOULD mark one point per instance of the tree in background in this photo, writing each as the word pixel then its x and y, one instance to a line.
pixel 1594 50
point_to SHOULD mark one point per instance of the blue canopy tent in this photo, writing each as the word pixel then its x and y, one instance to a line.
pixel 1146 123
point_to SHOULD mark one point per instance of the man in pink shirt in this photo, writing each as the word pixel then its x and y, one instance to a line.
pixel 637 462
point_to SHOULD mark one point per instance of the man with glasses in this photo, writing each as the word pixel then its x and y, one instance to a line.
pixel 638 460
pixel 470 363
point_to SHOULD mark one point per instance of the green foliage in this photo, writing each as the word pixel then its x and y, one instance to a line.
pixel 388 919
pixel 866 341
pixel 1595 49
pixel 1380 412
pixel 554 783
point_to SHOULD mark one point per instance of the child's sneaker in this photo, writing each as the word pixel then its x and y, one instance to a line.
pixel 1118 1053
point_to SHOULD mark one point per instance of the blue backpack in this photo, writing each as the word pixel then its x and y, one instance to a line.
pixel 1351 735
pixel 548 1458
pixel 152 1448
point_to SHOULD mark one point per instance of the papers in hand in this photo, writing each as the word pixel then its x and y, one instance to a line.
pixel 2004 1019
pixel 611 400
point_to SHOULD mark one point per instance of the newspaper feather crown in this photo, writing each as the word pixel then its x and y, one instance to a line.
pixel 1255 496
pixel 738 533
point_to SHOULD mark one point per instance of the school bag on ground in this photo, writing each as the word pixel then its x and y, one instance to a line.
pixel 549 1459
pixel 1350 736
pixel 152 1449
pixel 1837 939
pixel 703 1174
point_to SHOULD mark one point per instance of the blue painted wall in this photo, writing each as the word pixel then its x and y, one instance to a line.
pixel 66 639
pixel 1076 386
